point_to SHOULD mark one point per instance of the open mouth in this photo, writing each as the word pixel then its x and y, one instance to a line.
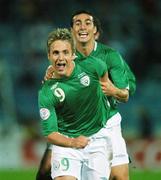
pixel 83 34
pixel 60 66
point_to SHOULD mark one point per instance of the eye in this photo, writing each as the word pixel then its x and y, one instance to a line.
pixel 66 52
pixel 77 23
pixel 89 22
pixel 55 52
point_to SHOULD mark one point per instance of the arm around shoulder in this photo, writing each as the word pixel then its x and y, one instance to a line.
pixel 109 89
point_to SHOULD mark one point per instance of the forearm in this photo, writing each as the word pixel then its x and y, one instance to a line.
pixel 121 94
pixel 59 139
pixel 110 90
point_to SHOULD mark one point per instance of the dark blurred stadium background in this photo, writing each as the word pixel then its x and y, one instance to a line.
pixel 132 27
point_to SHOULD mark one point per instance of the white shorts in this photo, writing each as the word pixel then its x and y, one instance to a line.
pixel 92 162
pixel 119 149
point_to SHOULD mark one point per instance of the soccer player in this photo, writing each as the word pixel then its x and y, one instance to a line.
pixel 86 28
pixel 82 27
pixel 74 112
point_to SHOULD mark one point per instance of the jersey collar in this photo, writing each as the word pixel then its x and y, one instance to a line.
pixel 95 46
pixel 80 55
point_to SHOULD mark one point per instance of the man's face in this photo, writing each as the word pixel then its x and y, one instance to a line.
pixel 61 57
pixel 83 28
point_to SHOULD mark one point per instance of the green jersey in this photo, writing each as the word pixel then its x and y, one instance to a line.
pixel 74 105
pixel 119 72
pixel 131 79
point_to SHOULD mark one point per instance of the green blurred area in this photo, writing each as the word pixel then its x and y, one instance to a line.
pixel 144 175
pixel 23 174
pixel 30 174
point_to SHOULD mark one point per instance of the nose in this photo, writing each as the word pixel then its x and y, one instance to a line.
pixel 61 56
pixel 83 25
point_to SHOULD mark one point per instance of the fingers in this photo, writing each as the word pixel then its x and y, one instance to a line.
pixel 49 73
pixel 81 142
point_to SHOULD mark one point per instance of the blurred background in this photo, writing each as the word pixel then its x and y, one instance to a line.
pixel 131 27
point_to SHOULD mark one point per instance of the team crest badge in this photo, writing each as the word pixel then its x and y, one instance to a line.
pixel 85 80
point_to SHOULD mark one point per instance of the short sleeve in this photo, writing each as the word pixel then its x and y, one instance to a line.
pixel 47 112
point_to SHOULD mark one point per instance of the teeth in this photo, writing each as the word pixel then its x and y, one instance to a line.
pixel 83 34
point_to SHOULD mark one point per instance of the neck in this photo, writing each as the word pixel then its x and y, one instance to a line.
pixel 85 48
pixel 71 68
pixel 68 72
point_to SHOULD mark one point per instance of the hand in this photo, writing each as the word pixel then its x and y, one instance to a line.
pixel 49 73
pixel 107 88
pixel 79 142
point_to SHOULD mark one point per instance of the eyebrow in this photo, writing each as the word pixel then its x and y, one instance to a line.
pixel 78 20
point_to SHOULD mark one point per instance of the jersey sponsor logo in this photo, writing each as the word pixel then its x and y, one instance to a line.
pixel 44 113
pixel 85 80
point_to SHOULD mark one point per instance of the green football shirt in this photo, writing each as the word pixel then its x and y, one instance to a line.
pixel 119 72
pixel 74 105
pixel 131 79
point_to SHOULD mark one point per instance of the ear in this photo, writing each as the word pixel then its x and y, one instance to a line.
pixel 73 56
pixel 95 29
pixel 49 57
pixel 48 54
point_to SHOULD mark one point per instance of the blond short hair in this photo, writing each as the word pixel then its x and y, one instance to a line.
pixel 60 34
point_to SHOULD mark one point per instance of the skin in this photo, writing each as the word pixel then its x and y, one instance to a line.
pixel 84 31
pixel 85 34
pixel 61 58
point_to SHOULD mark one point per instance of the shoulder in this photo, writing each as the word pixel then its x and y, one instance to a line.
pixel 96 61
pixel 45 85
pixel 105 48
pixel 45 90
pixel 108 52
